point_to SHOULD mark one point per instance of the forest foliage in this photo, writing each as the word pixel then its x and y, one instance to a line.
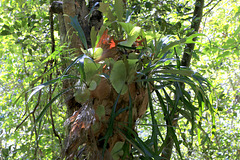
pixel 33 111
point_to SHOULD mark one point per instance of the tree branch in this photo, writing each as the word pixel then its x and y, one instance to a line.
pixel 212 8
pixel 197 17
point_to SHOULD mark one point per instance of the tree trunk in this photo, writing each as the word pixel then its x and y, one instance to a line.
pixel 197 18
pixel 86 135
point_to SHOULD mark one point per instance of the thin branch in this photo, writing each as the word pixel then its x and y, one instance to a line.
pixel 36 137
pixel 211 8
pixel 22 122
pixel 50 96
pixel 38 102
pixel 52 28
pixel 203 7
pixel 35 108
pixel 53 127
pixel 209 3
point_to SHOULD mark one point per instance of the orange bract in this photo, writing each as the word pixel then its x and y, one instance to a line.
pixel 108 42
pixel 104 39
pixel 109 46
pixel 112 44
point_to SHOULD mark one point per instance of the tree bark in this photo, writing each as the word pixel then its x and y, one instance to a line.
pixel 86 138
pixel 186 60
pixel 67 33
pixel 197 18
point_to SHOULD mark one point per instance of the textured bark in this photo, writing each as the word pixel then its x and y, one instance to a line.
pixel 68 34
pixel 186 60
pixel 197 18
pixel 91 139
pixel 74 8
pixel 70 8
pixel 86 129
pixel 85 137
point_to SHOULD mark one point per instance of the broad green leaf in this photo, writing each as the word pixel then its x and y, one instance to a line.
pixel 82 94
pixel 118 6
pixel 131 37
pixel 105 9
pixel 135 32
pixel 118 77
pixel 97 53
pixel 127 27
pixel 92 85
pixel 93 36
pixel 117 151
pixel 90 69
pixel 131 69
pixel 133 55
